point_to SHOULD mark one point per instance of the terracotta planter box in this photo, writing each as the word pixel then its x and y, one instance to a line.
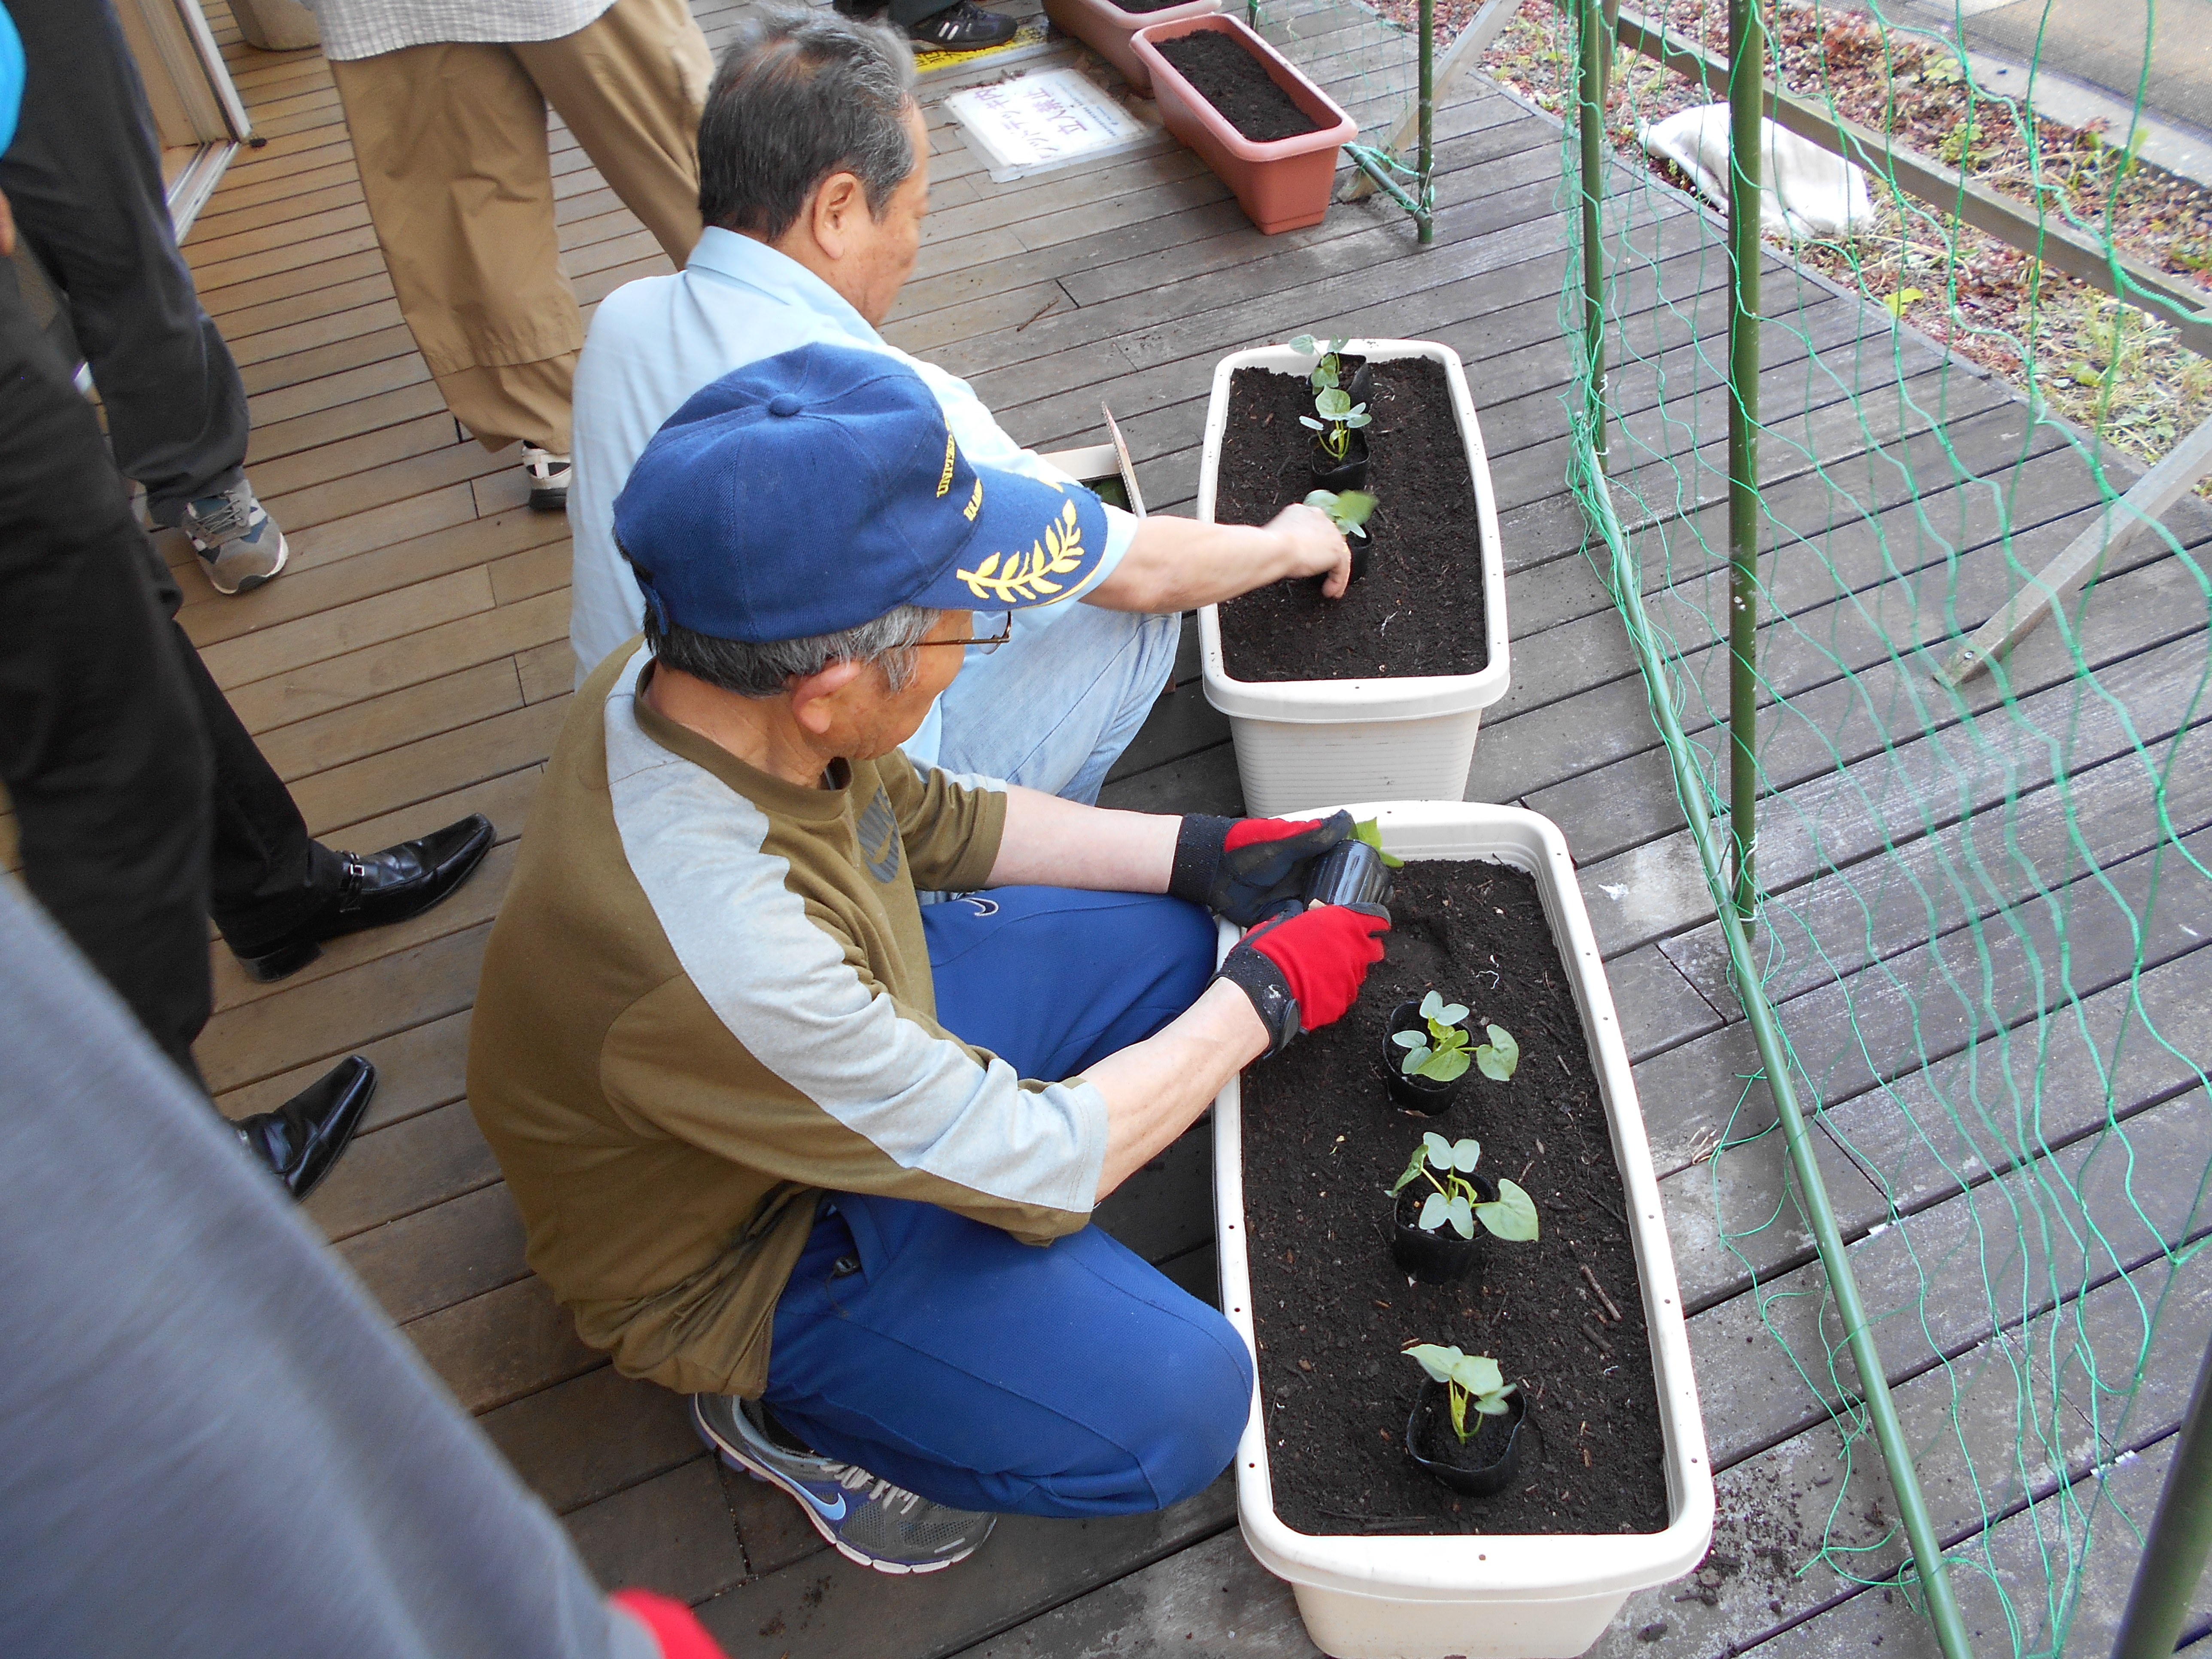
pixel 1107 30
pixel 1283 184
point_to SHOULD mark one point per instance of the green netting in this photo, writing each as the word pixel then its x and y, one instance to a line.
pixel 1982 910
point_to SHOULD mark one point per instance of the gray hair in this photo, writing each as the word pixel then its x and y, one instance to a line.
pixel 761 671
pixel 801 95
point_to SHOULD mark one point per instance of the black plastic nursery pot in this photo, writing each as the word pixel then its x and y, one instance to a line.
pixel 1415 1094
pixel 1350 473
pixel 1489 1460
pixel 1353 873
pixel 1439 1257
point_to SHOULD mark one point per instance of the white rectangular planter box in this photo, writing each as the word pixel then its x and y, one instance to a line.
pixel 1303 741
pixel 1533 1596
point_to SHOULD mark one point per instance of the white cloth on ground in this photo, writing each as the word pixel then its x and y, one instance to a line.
pixel 1808 191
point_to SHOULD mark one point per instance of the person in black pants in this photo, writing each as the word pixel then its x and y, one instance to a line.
pixel 83 177
pixel 142 804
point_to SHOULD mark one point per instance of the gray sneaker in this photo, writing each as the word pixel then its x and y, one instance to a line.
pixel 870 1520
pixel 240 546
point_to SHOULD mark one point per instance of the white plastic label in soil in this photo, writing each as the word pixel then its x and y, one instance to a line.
pixel 1051 118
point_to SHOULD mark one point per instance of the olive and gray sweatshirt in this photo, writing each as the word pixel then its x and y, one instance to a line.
pixel 707 999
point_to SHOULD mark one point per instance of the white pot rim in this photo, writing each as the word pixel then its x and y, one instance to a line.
pixel 1475 1567
pixel 1325 702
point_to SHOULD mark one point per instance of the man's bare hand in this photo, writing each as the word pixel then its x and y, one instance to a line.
pixel 1314 546
pixel 7 226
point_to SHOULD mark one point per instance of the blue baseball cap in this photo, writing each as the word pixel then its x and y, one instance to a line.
pixel 816 490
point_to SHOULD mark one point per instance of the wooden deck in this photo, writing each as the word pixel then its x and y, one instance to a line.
pixel 412 665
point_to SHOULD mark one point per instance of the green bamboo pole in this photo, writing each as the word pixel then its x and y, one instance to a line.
pixel 1746 77
pixel 1426 217
pixel 1774 1061
pixel 2180 1537
pixel 1589 123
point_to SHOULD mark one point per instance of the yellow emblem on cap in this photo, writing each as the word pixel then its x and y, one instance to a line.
pixel 1027 575
pixel 974 501
pixel 945 480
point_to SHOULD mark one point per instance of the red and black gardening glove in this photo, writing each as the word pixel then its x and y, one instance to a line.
pixel 1304 971
pixel 1246 869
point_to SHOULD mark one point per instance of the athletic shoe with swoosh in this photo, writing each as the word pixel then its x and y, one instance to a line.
pixel 869 1520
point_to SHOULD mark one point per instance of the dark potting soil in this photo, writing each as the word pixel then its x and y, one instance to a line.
pixel 1146 5
pixel 1331 1311
pixel 1419 609
pixel 1236 84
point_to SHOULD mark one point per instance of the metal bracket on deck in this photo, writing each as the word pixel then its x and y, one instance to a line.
pixel 2155 491
pixel 1473 40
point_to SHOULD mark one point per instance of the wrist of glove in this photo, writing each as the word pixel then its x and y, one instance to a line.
pixel 1246 869
pixel 1304 971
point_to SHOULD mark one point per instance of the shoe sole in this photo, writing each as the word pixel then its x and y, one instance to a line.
pixel 248 584
pixel 550 501
pixel 737 1460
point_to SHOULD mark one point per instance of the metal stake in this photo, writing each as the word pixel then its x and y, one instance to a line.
pixel 1747 72
pixel 1590 122
pixel 2180 1537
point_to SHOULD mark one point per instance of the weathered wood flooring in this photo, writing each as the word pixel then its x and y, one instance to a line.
pixel 412 665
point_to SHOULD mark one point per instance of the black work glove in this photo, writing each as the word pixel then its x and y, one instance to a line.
pixel 1245 869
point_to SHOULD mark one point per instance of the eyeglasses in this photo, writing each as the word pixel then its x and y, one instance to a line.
pixel 986 646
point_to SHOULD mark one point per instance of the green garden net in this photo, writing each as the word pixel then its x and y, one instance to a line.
pixel 1983 908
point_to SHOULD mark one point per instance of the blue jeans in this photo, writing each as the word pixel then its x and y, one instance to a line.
pixel 939 1353
pixel 1054 707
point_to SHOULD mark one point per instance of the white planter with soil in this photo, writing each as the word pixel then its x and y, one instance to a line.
pixel 1486 1595
pixel 1405 739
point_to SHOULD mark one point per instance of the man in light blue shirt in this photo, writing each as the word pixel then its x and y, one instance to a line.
pixel 814 178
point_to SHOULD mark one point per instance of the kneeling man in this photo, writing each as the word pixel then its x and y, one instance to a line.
pixel 790 1143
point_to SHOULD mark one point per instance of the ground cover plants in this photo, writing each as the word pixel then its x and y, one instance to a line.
pixel 2107 366
pixel 1419 606
pixel 1553 1300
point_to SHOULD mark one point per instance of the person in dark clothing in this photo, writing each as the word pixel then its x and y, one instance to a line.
pixel 143 806
pixel 83 177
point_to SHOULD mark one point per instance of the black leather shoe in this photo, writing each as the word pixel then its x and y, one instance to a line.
pixel 385 887
pixel 965 27
pixel 301 1138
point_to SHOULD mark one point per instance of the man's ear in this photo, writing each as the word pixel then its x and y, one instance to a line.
pixel 832 211
pixel 814 697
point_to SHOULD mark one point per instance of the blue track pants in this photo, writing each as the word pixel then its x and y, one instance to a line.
pixel 940 1354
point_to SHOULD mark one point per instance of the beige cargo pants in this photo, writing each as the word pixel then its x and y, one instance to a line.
pixel 455 165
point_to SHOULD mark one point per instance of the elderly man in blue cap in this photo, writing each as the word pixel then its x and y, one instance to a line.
pixel 783 1138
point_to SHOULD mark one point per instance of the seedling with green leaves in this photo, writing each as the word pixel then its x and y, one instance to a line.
pixel 1367 830
pixel 1446 1165
pixel 1347 509
pixel 1339 418
pixel 1469 1379
pixel 1328 365
pixel 1438 1052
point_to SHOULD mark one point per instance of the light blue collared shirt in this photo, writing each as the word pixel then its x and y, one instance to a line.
pixel 656 341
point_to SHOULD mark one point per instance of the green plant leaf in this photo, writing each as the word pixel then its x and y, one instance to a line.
pixel 1304 343
pixel 1434 1359
pixel 1416 1057
pixel 1409 1039
pixel 1351 509
pixel 1512 1216
pixel 1357 418
pixel 1438 1149
pixel 1493 1405
pixel 1450 1014
pixel 1430 1004
pixel 1367 830
pixel 1463 1215
pixel 1308 421
pixel 1434 1213
pixel 1465 1154
pixel 1500 1057
pixel 1477 1373
pixel 1446 1065
pixel 1335 403
pixel 1412 1171
pixel 1324 374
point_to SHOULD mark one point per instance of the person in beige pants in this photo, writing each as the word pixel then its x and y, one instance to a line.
pixel 447 110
